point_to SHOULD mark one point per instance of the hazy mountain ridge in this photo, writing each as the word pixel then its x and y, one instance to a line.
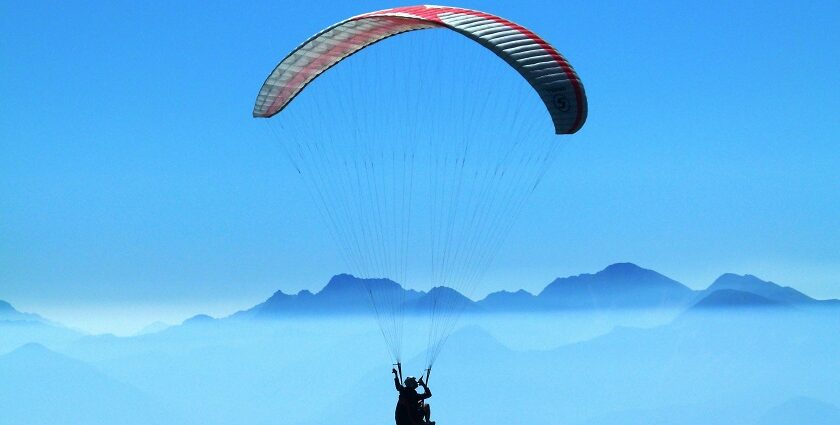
pixel 343 294
pixel 618 286
pixel 39 374
pixel 731 298
pixel 643 375
pixel 9 313
pixel 18 328
pixel 767 289
pixel 219 372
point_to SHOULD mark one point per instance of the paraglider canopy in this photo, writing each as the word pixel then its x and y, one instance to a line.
pixel 545 69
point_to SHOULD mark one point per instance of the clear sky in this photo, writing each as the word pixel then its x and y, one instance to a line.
pixel 133 178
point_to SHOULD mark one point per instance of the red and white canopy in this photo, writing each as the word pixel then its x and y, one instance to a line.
pixel 538 62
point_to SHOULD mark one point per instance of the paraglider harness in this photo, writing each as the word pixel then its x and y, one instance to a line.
pixel 411 415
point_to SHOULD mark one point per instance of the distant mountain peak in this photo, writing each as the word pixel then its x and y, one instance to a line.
pixel 8 312
pixel 198 319
pixel 444 291
pixel 343 282
pixel 624 268
pixel 441 298
pixel 279 293
pixel 730 298
pixel 617 274
pixel 340 280
pixel 343 294
pixel 620 285
pixel 32 351
pixel 6 307
pixel 31 347
pixel 504 293
pixel 631 271
pixel 766 289
pixel 520 300
pixel 729 278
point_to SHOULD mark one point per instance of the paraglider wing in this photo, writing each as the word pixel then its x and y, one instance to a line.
pixel 545 69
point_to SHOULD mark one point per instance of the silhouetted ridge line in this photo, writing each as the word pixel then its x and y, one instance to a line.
pixel 618 286
pixel 729 298
pixel 754 285
pixel 621 285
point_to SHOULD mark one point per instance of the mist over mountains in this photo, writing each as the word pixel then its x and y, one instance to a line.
pixel 9 314
pixel 18 328
pixel 624 345
pixel 36 376
pixel 618 286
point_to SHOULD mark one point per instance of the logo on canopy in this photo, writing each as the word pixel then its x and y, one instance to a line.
pixel 561 103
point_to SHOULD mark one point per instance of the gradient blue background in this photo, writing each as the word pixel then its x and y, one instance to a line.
pixel 133 179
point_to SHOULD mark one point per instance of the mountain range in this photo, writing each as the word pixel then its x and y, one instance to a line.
pixel 766 357
pixel 618 286
pixel 10 314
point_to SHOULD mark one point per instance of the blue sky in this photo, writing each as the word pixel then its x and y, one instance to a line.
pixel 132 174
